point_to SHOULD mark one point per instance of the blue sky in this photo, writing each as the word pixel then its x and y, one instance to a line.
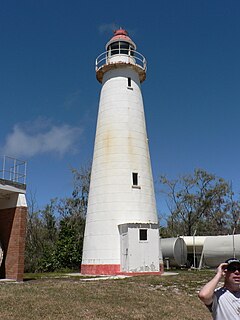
pixel 49 93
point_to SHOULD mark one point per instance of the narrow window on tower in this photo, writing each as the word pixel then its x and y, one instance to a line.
pixel 142 234
pixel 135 179
pixel 129 86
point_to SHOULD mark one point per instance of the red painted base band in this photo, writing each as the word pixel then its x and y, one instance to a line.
pixel 100 269
pixel 112 269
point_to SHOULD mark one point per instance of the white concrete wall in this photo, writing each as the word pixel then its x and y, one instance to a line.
pixel 143 255
pixel 13 200
pixel 121 147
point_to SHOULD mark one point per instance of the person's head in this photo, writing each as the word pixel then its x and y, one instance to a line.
pixel 232 273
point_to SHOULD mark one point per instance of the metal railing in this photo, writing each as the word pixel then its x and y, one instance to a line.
pixel 133 57
pixel 13 169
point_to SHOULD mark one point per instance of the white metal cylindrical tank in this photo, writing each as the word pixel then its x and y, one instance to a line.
pixel 217 249
pixel 194 243
pixel 174 250
pixel 121 188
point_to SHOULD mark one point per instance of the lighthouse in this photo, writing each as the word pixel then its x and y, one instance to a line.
pixel 122 231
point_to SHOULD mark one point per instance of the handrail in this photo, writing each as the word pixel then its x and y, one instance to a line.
pixel 13 169
pixel 134 58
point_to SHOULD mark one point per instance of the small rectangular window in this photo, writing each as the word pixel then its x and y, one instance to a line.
pixel 135 178
pixel 143 234
pixel 129 82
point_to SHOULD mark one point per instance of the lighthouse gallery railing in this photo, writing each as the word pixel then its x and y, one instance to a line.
pixel 134 58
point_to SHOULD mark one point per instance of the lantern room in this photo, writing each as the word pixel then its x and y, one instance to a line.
pixel 120 44
pixel 120 50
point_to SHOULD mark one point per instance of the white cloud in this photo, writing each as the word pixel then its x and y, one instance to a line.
pixel 34 140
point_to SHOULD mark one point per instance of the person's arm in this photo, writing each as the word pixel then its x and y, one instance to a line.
pixel 206 293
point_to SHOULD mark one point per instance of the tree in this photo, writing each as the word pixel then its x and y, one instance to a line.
pixel 73 211
pixel 197 202
pixel 81 185
pixel 49 236
pixel 34 243
pixel 68 251
pixel 234 214
pixel 55 234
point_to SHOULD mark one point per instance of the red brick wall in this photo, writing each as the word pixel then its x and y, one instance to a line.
pixel 12 237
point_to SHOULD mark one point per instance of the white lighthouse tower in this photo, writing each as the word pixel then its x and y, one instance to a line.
pixel 122 232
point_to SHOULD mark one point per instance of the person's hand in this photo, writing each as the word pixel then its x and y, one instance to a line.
pixel 221 269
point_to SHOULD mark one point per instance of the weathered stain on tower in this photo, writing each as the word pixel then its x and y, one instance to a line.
pixel 121 234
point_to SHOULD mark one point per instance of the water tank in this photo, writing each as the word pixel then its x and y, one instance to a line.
pixel 194 242
pixel 175 251
pixel 217 249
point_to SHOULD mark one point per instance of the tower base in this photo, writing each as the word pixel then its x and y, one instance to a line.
pixel 100 269
pixel 113 269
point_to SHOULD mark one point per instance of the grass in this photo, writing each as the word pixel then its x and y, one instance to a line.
pixel 57 296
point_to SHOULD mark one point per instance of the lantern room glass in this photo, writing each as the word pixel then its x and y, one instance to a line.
pixel 120 47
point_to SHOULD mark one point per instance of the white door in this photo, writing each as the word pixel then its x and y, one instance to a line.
pixel 124 252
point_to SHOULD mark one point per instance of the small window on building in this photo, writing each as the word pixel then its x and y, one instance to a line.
pixel 143 234
pixel 135 178
pixel 129 82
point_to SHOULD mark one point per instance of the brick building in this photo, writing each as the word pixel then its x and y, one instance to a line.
pixel 13 213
